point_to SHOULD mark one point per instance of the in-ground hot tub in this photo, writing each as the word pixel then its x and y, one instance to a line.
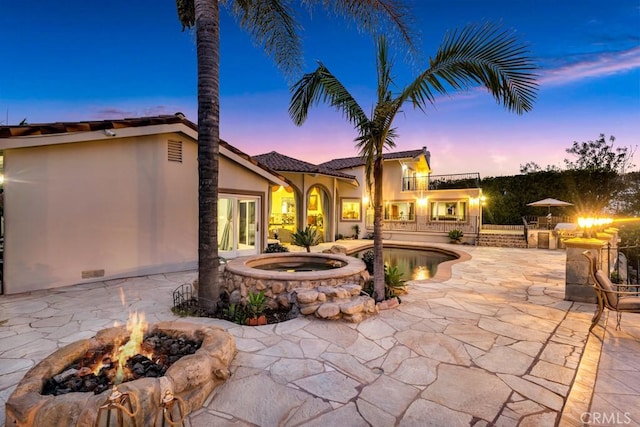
pixel 280 273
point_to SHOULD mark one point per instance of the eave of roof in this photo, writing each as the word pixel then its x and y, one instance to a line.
pixel 38 129
pixel 29 131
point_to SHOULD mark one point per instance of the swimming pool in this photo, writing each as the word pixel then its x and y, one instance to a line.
pixel 415 264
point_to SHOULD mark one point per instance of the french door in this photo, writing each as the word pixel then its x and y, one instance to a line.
pixel 238 226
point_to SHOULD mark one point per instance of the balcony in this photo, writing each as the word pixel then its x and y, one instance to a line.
pixel 441 182
pixel 454 181
pixel 414 183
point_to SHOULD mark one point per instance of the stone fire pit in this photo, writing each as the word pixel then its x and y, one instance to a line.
pixel 191 378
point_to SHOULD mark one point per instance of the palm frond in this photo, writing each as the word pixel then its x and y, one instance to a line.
pixel 272 25
pixel 186 13
pixel 318 86
pixel 383 68
pixel 479 55
pixel 375 16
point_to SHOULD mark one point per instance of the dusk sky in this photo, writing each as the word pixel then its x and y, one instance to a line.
pixel 80 60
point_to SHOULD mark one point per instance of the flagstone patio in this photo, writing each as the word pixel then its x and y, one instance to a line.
pixel 493 344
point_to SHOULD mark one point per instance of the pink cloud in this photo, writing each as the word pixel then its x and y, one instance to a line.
pixel 603 65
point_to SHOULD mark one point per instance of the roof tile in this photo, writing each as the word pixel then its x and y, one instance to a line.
pixel 351 162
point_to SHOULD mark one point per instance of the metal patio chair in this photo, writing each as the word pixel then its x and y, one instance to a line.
pixel 609 295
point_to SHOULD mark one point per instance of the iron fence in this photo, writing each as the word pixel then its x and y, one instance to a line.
pixel 622 263
pixel 424 223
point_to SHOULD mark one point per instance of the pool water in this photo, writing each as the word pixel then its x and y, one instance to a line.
pixel 415 264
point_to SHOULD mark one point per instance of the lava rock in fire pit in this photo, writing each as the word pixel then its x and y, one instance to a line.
pixel 80 376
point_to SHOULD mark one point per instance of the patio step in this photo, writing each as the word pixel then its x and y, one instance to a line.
pixel 502 240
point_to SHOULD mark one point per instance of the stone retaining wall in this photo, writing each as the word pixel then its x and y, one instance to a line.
pixel 502 240
pixel 340 302
pixel 279 292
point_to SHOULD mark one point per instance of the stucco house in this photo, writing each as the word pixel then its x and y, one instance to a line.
pixel 98 200
pixel 333 197
pixel 311 199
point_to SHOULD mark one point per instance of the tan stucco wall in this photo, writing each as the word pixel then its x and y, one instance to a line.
pixel 116 205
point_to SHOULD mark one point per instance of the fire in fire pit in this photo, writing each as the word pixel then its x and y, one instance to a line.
pixel 114 363
pixel 99 368
pixel 191 378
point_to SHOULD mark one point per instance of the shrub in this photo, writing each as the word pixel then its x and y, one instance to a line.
pixel 455 235
pixel 306 238
pixel 367 258
pixel 275 248
pixel 256 304
pixel 235 313
pixel 392 278
pixel 393 281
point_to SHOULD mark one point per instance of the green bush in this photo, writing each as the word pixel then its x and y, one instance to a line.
pixel 393 281
pixel 455 235
pixel 367 258
pixel 306 238
pixel 235 313
pixel 256 304
pixel 392 278
pixel 275 248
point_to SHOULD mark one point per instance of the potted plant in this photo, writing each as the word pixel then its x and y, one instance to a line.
pixel 255 308
pixel 455 235
pixel 356 231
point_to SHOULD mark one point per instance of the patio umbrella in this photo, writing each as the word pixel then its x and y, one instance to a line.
pixel 549 203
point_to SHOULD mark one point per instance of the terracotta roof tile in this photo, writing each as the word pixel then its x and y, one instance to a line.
pixel 85 126
pixel 282 163
pixel 351 162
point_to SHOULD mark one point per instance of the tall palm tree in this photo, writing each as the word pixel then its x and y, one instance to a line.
pixel 272 25
pixel 477 55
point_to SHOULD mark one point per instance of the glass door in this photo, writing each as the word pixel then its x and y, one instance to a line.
pixel 248 227
pixel 238 228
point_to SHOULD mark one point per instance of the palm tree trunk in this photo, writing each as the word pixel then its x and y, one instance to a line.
pixel 208 51
pixel 378 258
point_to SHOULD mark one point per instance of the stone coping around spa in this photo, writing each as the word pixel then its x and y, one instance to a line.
pixel 242 266
pixel 443 271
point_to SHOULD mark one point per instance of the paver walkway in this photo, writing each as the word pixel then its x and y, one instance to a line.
pixel 494 344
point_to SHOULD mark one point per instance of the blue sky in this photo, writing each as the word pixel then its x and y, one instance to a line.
pixel 77 60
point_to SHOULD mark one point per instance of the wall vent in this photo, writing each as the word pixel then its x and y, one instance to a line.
pixel 174 151
pixel 90 274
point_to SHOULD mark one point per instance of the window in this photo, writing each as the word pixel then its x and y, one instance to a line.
pixel 448 210
pixel 400 211
pixel 351 209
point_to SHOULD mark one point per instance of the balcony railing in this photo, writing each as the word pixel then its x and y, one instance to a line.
pixel 425 223
pixel 454 181
pixel 441 182
pixel 413 183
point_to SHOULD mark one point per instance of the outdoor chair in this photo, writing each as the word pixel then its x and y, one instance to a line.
pixel 609 295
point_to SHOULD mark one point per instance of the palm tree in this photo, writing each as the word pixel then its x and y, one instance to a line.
pixel 272 25
pixel 477 55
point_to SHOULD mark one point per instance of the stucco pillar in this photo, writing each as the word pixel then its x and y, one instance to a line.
pixel 579 286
